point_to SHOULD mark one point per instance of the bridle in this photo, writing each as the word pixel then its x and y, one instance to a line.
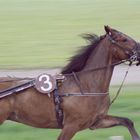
pixel 132 53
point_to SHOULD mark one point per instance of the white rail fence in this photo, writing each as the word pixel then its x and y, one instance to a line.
pixel 118 74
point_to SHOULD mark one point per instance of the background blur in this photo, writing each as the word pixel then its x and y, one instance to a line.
pixel 45 33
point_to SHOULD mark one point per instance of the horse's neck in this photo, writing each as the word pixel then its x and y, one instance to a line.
pixel 98 81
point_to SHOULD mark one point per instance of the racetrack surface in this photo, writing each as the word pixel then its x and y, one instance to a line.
pixel 133 76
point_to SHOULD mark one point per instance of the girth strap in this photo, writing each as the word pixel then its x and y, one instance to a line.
pixel 58 109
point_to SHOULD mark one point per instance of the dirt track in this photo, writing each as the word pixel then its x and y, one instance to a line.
pixel 119 72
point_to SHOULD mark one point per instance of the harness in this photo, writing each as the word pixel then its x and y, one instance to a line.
pixel 58 97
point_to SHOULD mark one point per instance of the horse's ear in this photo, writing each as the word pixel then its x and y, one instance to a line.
pixel 107 29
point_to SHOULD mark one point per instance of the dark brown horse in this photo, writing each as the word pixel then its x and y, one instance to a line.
pixel 89 72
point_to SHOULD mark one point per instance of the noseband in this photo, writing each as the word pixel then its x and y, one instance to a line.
pixel 133 54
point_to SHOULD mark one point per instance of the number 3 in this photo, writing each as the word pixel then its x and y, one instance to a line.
pixel 47 83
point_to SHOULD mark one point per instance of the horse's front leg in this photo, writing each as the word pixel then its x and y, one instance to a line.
pixel 110 121
pixel 68 132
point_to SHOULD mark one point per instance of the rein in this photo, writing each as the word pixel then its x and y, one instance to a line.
pixel 97 94
pixel 117 93
pixel 103 67
pixel 74 74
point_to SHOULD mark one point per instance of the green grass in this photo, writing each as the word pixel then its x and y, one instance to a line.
pixel 44 33
pixel 127 105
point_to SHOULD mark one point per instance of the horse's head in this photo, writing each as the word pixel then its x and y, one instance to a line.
pixel 123 46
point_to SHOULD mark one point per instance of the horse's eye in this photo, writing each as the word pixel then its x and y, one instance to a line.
pixel 124 40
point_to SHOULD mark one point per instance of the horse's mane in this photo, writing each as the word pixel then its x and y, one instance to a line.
pixel 78 61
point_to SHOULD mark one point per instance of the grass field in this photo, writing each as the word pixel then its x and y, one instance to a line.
pixel 126 105
pixel 44 33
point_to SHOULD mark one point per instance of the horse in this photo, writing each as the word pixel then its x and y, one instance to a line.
pixel 86 86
